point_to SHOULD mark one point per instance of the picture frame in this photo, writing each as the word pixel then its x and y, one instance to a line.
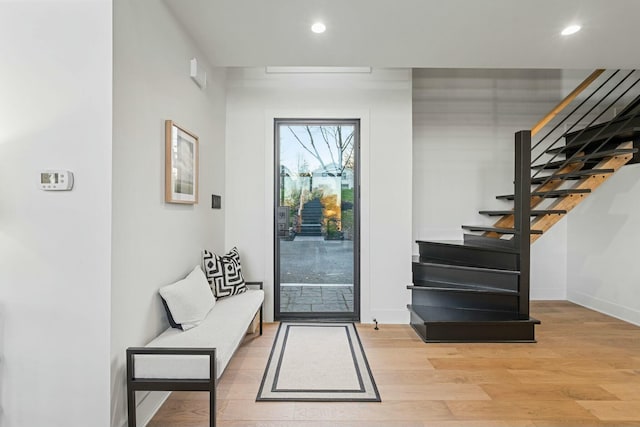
pixel 181 165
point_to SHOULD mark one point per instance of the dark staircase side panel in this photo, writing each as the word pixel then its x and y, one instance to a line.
pixel 474 256
pixel 461 298
pixel 500 330
pixel 465 292
pixel 501 279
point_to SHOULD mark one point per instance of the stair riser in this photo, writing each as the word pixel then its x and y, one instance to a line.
pixel 494 279
pixel 456 299
pixel 488 242
pixel 476 257
pixel 473 332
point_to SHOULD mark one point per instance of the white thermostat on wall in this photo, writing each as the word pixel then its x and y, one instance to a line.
pixel 56 180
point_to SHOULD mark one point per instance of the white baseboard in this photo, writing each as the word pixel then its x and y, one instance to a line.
pixel 548 294
pixel 148 406
pixel 616 310
pixel 390 317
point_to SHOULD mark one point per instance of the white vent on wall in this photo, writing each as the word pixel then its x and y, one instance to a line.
pixel 198 76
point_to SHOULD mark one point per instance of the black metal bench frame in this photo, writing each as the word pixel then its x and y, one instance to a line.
pixel 175 384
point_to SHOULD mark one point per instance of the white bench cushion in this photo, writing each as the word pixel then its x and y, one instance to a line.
pixel 223 328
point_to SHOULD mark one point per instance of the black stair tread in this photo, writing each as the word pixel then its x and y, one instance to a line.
pixel 573 175
pixel 536 212
pixel 560 149
pixel 496 229
pixel 462 315
pixel 504 243
pixel 582 159
pixel 438 285
pixel 467 245
pixel 549 194
pixel 446 264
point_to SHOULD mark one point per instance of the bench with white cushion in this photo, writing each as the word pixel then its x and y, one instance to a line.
pixel 193 359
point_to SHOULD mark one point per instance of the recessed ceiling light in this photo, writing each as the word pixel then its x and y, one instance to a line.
pixel 318 28
pixel 571 29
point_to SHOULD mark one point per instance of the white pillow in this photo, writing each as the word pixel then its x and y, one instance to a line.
pixel 190 299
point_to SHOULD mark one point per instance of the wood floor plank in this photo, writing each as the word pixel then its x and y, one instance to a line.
pixel 623 391
pixel 443 376
pixel 547 392
pixel 368 411
pixel 250 410
pixel 628 410
pixel 520 409
pixel 481 423
pixel 575 376
pixel 299 423
pixel 583 371
pixel 527 363
pixel 583 423
pixel 387 358
pixel 405 392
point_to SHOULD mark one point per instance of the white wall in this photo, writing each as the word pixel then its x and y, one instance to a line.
pixel 463 143
pixel 155 243
pixel 382 100
pixel 602 240
pixel 55 247
pixel 602 247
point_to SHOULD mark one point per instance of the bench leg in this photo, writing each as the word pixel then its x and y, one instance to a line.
pixel 212 406
pixel 260 320
pixel 131 407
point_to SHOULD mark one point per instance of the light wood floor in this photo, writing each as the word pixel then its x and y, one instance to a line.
pixel 584 371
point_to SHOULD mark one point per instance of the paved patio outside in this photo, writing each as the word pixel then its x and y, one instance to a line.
pixel 314 298
pixel 316 275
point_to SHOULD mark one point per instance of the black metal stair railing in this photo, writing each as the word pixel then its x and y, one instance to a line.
pixel 592 132
pixel 608 94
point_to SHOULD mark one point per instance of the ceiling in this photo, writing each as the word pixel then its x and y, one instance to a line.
pixel 414 33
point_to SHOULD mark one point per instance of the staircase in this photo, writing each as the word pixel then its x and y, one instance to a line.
pixel 311 219
pixel 477 290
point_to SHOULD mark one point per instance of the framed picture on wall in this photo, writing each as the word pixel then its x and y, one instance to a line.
pixel 181 165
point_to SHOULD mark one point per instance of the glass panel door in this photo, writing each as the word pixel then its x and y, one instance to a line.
pixel 317 219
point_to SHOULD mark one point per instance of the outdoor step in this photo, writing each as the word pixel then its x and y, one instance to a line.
pixel 536 212
pixel 549 194
pixel 585 159
pixel 496 229
pixel 571 176
pixel 448 324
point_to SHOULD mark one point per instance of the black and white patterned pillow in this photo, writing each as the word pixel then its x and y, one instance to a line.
pixel 224 273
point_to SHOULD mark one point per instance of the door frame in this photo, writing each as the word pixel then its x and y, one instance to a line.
pixel 340 316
